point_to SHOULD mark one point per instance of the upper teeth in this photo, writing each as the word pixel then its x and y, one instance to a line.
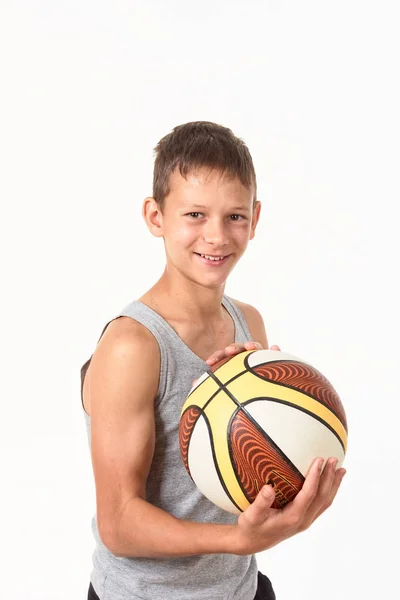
pixel 212 257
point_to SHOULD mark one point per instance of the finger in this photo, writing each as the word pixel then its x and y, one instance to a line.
pixel 215 358
pixel 258 511
pixel 230 350
pixel 219 355
pixel 298 507
pixel 240 347
pixel 275 347
pixel 327 477
pixel 338 478
pixel 321 500
pixel 253 345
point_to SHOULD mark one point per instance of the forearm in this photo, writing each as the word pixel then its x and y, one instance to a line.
pixel 146 531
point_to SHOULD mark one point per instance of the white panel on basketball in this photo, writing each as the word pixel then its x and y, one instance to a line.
pixel 299 435
pixel 264 356
pixel 202 468
pixel 200 380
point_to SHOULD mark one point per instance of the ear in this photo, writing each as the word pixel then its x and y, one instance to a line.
pixel 153 217
pixel 254 220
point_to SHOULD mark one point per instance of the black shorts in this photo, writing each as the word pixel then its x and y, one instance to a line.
pixel 264 590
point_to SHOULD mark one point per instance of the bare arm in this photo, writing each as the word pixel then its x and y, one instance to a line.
pixel 121 392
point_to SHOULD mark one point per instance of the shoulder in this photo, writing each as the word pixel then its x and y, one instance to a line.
pixel 254 321
pixel 126 330
pixel 119 367
pixel 124 340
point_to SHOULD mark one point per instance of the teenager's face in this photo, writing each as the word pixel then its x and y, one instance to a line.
pixel 206 217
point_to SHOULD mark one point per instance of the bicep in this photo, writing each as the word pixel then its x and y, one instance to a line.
pixel 122 392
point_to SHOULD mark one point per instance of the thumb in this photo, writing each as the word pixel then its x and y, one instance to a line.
pixel 258 512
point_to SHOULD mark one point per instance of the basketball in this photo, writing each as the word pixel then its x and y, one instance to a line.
pixel 261 416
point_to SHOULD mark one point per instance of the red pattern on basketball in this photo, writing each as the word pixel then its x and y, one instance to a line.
pixel 257 462
pixel 186 425
pixel 306 379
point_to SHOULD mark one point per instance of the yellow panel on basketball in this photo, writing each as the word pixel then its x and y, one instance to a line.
pixel 203 469
pixel 219 413
pixel 231 368
pixel 201 393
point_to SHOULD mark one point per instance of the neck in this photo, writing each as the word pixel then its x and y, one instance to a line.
pixel 188 298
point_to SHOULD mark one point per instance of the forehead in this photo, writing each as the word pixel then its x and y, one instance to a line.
pixel 208 186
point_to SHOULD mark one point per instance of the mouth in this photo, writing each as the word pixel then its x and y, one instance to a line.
pixel 213 259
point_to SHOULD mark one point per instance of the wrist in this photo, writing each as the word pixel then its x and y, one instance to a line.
pixel 239 543
pixel 223 539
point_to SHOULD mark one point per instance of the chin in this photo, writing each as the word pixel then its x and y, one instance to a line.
pixel 207 282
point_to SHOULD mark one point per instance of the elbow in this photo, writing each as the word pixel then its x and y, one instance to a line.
pixel 109 538
pixel 115 543
pixel 119 531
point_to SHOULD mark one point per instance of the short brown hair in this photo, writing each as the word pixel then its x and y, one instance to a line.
pixel 196 145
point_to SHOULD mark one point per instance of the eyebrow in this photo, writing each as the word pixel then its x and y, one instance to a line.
pixel 245 208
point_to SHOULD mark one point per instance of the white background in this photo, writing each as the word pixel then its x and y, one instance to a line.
pixel 87 90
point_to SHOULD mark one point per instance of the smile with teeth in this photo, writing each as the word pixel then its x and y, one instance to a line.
pixel 212 258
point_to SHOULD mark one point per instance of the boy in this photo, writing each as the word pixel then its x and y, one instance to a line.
pixel 156 536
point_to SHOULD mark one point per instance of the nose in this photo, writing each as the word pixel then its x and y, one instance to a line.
pixel 214 232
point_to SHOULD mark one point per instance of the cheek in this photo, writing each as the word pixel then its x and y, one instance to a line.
pixel 186 235
pixel 182 236
pixel 241 233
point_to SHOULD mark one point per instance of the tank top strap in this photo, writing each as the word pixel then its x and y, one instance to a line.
pixel 160 329
pixel 242 333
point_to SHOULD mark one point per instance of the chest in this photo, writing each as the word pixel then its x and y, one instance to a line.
pixel 205 342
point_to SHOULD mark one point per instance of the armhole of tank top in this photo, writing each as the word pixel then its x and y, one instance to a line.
pixel 240 317
pixel 162 381
pixel 163 359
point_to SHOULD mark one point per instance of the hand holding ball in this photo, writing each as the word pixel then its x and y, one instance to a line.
pixel 259 417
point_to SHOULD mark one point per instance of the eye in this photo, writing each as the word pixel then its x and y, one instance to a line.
pixel 193 214
pixel 237 217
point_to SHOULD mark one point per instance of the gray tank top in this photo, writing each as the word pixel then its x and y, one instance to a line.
pixel 202 577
